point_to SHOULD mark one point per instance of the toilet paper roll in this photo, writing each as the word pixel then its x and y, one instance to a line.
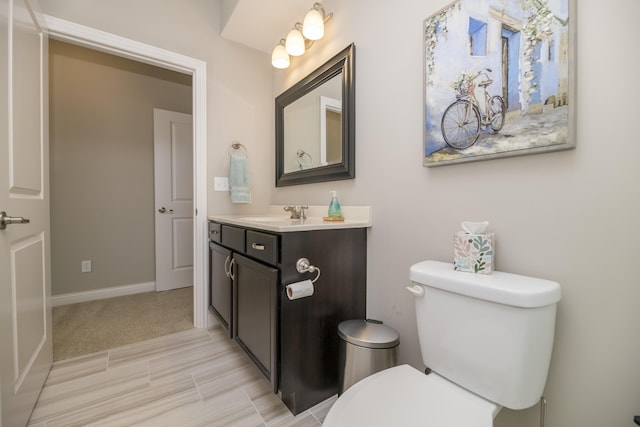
pixel 300 289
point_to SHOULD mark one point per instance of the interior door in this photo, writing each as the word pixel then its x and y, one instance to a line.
pixel 25 285
pixel 173 169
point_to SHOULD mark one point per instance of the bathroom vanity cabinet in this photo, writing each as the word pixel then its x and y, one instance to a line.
pixel 294 343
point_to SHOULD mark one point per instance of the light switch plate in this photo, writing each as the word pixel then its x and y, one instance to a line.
pixel 221 183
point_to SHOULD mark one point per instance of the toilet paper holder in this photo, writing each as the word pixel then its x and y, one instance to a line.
pixel 304 266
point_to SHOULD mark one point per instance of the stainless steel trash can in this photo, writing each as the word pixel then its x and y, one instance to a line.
pixel 366 347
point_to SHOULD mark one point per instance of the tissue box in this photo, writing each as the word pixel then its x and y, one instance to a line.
pixel 473 252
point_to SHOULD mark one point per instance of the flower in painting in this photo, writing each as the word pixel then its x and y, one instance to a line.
pixel 462 83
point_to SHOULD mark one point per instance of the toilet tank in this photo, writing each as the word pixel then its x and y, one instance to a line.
pixel 491 334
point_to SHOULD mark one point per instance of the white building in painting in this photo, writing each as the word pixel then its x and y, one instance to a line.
pixel 523 42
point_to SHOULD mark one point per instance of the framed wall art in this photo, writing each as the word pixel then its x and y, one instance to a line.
pixel 499 79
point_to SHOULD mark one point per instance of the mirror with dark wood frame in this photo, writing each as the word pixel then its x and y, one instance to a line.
pixel 315 125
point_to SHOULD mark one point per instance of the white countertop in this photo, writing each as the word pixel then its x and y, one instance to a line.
pixel 276 219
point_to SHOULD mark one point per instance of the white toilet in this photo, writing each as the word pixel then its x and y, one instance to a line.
pixel 487 340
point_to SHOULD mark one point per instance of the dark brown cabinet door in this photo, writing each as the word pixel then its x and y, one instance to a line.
pixel 255 314
pixel 220 283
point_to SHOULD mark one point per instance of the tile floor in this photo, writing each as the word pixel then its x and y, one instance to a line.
pixel 191 378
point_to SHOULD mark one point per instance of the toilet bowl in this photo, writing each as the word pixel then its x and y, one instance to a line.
pixel 487 340
pixel 403 396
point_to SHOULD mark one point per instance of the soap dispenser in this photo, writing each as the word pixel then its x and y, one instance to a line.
pixel 335 212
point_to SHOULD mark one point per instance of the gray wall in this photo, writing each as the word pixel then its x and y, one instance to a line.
pixel 563 216
pixel 101 150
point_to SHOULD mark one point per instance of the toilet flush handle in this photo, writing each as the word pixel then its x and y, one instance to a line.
pixel 416 290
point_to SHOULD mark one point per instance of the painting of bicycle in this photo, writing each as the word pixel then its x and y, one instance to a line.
pixel 499 79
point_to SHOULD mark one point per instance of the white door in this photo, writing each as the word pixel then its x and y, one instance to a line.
pixel 25 285
pixel 173 169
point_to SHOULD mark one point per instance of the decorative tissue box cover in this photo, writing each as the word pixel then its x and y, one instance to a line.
pixel 473 252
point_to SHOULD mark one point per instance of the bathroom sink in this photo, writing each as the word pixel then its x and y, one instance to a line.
pixel 280 221
pixel 266 218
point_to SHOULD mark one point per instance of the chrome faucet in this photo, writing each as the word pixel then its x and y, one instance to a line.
pixel 297 212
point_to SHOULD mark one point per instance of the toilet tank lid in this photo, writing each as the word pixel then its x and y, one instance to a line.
pixel 499 287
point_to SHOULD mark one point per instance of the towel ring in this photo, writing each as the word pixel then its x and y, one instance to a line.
pixel 301 154
pixel 235 146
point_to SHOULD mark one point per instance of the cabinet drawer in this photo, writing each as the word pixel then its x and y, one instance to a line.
pixel 263 246
pixel 214 231
pixel 233 237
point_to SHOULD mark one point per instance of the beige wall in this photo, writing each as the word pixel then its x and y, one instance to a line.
pixel 239 102
pixel 239 80
pixel 101 142
pixel 565 216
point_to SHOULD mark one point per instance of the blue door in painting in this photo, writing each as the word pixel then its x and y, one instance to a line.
pixel 510 59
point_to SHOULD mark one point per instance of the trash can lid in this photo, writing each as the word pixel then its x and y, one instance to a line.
pixel 369 334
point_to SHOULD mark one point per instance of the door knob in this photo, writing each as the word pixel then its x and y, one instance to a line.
pixel 6 220
pixel 164 210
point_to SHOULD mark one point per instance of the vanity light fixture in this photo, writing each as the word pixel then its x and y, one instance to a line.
pixel 295 42
pixel 313 24
pixel 301 36
pixel 280 57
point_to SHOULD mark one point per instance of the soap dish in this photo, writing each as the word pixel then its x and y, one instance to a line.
pixel 333 218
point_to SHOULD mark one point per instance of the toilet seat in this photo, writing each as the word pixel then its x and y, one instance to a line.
pixel 403 396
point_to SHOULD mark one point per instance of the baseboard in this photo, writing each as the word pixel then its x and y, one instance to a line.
pixel 97 294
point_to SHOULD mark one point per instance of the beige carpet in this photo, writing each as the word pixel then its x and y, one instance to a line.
pixel 92 326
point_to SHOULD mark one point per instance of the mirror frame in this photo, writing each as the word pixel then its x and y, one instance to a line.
pixel 343 62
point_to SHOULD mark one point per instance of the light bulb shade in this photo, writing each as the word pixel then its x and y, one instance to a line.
pixel 280 57
pixel 313 25
pixel 295 43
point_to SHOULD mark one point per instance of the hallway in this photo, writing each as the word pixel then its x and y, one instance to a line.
pixel 92 326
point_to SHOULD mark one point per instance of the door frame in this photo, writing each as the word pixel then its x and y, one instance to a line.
pixel 81 35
